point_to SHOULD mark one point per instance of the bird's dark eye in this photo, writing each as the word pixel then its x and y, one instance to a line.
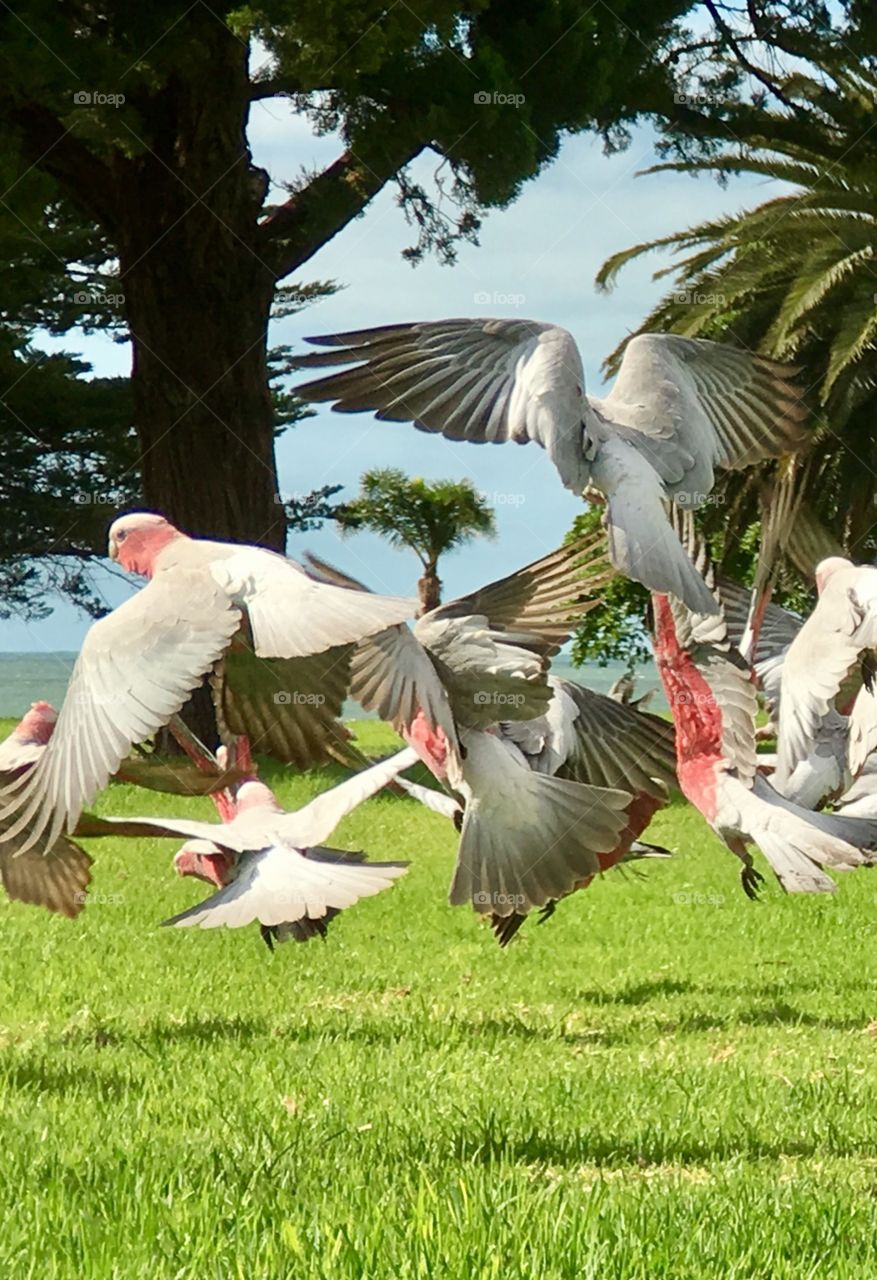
pixel 121 535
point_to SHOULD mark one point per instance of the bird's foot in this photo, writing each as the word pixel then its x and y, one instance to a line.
pixel 751 881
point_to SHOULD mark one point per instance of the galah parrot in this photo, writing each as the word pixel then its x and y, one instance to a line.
pixel 592 738
pixel 58 878
pixel 28 740
pixel 679 408
pixel 763 633
pixel 244 609
pixel 712 696
pixel 272 866
pixel 526 838
pixel 826 770
pixel 835 644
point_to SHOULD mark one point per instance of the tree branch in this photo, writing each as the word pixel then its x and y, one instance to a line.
pixel 52 147
pixel 294 231
pixel 278 86
pixel 755 71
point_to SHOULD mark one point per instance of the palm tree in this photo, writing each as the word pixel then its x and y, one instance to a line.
pixel 431 518
pixel 796 279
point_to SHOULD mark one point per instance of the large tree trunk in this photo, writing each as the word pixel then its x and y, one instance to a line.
pixel 198 298
pixel 203 409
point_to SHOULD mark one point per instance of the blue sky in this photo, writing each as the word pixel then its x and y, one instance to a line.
pixel 536 260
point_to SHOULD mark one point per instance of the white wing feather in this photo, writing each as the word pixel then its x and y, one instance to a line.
pixel 136 669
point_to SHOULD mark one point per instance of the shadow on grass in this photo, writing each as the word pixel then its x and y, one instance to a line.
pixel 370 1026
pixel 36 1075
pixel 639 992
pixel 777 1009
pixel 208 1030
pixel 647 1151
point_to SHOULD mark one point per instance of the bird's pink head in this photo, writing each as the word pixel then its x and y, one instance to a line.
pixel 204 860
pixel 38 725
pixel 826 568
pixel 136 540
pixel 253 794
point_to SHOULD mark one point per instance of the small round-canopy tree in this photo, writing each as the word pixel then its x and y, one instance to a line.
pixel 430 517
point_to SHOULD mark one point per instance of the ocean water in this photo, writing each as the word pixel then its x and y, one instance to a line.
pixel 30 677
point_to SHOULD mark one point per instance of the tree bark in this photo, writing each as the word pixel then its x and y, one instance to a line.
pixel 429 590
pixel 201 399
pixel 198 297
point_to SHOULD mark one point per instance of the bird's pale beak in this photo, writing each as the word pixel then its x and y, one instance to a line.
pixel 113 549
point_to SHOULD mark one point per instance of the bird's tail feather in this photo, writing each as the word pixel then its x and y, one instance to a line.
pixel 799 843
pixel 528 839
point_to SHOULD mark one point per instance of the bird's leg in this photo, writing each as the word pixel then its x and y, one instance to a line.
pixel 242 756
pixel 193 746
pixel 750 878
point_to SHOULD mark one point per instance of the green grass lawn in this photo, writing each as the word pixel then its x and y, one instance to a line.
pixel 665 1080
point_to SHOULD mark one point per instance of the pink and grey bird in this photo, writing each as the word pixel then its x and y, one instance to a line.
pixel 247 616
pixel 679 409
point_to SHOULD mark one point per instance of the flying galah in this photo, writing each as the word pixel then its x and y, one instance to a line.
pixel 592 738
pixel 679 408
pixel 205 602
pixel 712 696
pixel 526 838
pixel 826 770
pixel 272 865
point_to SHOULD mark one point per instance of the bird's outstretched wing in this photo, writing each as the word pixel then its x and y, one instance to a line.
pixel 690 406
pixel 547 598
pixel 826 649
pixel 290 613
pixel 485 381
pixel 279 886
pixel 136 669
pixel 56 878
pixel 288 707
pixel 617 746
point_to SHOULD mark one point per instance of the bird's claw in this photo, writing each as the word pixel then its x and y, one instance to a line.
pixel 751 880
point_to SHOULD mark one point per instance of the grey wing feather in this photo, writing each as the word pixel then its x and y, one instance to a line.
pixel 56 879
pixel 289 708
pixel 616 746
pixel 469 379
pixel 691 405
pixel 547 598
